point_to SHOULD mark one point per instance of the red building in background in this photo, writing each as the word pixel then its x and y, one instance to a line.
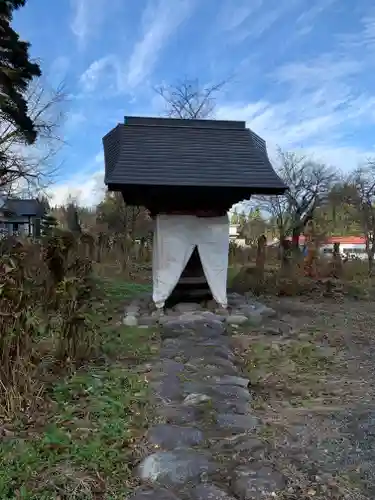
pixel 350 245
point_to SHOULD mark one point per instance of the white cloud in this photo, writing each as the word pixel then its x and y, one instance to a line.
pixel 317 104
pixel 307 20
pixel 86 186
pixel 86 190
pixel 88 16
pixel 252 19
pixel 369 29
pixel 79 25
pixel 320 100
pixel 287 125
pixel 232 17
pixel 322 70
pixel 97 71
pixel 159 21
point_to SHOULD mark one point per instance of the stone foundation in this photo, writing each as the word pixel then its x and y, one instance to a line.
pixel 204 444
pixel 241 309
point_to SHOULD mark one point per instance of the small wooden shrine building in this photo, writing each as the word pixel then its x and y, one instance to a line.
pixel 188 173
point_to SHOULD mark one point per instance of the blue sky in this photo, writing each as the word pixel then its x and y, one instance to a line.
pixel 301 72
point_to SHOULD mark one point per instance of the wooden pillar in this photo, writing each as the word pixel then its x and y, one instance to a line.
pixel 310 259
pixel 261 256
pixel 286 255
pixel 336 269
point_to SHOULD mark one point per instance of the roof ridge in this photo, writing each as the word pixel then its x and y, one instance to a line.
pixel 184 123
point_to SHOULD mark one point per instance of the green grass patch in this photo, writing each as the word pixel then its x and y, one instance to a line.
pixel 233 271
pixel 85 441
pixel 293 372
pixel 120 290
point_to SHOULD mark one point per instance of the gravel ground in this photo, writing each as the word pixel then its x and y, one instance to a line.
pixel 323 439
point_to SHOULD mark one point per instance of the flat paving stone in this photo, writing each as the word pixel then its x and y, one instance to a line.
pixel 257 482
pixel 209 315
pixel 210 329
pixel 153 494
pixel 194 328
pixel 173 328
pixel 130 320
pixel 183 414
pixel 236 423
pixel 167 365
pixel 146 321
pixel 175 468
pixel 132 308
pixel 209 492
pixel 254 318
pixel 231 406
pixel 184 307
pixel 241 445
pixel 169 436
pixel 183 348
pixel 230 380
pixel 212 364
pixel 223 391
pixel 168 387
pixel 251 448
pixel 236 319
pixel 196 399
pixel 218 404
pixel 275 327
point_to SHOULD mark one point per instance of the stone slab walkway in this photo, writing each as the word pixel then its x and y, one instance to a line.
pixel 204 446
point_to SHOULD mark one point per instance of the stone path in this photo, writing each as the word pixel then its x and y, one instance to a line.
pixel 204 444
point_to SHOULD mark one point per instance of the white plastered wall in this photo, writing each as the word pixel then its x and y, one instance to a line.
pixel 175 237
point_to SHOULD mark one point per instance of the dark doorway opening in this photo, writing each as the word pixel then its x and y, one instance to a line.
pixel 192 285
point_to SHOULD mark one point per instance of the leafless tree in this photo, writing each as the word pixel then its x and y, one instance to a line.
pixel 117 217
pixel 363 198
pixel 72 217
pixel 276 207
pixel 188 99
pixel 29 167
pixel 309 183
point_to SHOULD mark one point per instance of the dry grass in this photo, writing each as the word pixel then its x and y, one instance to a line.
pixel 307 384
pixel 73 400
pixel 303 385
pixel 117 257
pixel 353 280
pixel 45 291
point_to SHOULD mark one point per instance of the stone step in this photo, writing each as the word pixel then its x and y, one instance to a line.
pixel 203 400
pixel 192 280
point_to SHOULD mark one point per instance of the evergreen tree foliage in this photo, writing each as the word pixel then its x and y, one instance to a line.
pixel 16 72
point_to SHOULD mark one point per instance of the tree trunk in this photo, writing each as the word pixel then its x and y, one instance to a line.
pixel 370 262
pixel 370 255
pixel 286 251
pixel 281 243
pixel 295 238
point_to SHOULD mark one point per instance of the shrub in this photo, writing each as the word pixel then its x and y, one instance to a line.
pixel 46 293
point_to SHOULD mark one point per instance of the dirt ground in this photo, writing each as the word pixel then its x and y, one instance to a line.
pixel 314 390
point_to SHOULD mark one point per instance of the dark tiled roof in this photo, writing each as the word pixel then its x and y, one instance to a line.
pixel 176 152
pixel 23 207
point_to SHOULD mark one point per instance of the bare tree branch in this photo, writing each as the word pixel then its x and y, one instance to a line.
pixel 188 100
pixel 309 183
pixel 363 198
pixel 30 167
